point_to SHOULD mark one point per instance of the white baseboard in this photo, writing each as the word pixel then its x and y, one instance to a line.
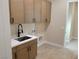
pixel 40 43
pixel 50 43
pixel 74 38
pixel 54 44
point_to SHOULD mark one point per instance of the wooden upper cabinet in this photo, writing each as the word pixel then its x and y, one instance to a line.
pixel 32 10
pixel 17 11
pixel 48 11
pixel 43 11
pixel 37 10
pixel 29 10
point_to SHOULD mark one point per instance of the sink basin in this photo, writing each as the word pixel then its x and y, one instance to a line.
pixel 23 38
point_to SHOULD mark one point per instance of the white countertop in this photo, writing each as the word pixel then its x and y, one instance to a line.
pixel 15 43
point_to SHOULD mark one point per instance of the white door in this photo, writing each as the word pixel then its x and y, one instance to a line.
pixel 70 9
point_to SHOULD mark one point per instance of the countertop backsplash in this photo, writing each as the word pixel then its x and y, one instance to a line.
pixel 28 29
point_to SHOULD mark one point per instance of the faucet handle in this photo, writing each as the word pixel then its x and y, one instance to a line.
pixel 22 31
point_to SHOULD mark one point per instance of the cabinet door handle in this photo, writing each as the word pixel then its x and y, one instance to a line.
pixel 12 20
pixel 46 20
pixel 15 55
pixel 34 20
pixel 30 48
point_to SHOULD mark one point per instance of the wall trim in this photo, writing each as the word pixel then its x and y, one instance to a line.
pixel 54 44
pixel 74 37
pixel 40 43
pixel 50 43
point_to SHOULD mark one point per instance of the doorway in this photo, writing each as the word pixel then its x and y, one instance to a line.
pixel 71 30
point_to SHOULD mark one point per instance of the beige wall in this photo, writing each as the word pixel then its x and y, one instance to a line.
pixel 72 0
pixel 55 31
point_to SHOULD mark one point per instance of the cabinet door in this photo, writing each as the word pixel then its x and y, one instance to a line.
pixel 37 10
pixel 48 11
pixel 17 11
pixel 43 11
pixel 22 53
pixel 33 49
pixel 29 9
pixel 13 53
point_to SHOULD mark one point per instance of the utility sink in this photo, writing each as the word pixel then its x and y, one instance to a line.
pixel 23 38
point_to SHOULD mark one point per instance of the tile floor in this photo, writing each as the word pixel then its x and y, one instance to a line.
pixel 73 46
pixel 47 51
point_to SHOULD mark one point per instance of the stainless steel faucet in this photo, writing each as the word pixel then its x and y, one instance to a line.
pixel 20 29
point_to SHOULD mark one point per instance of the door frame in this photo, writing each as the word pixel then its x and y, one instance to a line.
pixel 69 15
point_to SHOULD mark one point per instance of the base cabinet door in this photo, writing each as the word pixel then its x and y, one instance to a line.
pixel 33 49
pixel 25 51
pixel 22 54
pixel 14 53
